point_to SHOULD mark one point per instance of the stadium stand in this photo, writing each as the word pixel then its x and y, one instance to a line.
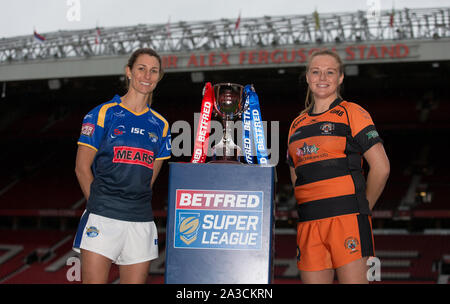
pixel 44 257
pixel 35 248
pixel 411 257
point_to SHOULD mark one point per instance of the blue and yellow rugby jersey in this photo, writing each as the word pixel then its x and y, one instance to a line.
pixel 127 144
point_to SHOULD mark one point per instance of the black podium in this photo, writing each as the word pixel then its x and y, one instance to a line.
pixel 220 224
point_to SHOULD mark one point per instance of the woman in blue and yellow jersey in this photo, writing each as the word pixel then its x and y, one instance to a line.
pixel 121 149
pixel 326 146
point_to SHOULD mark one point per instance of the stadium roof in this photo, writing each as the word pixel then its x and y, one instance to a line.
pixel 223 34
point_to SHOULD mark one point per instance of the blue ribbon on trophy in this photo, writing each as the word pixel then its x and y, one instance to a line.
pixel 253 128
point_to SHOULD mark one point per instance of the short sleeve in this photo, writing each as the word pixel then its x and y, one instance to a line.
pixel 166 147
pixel 363 129
pixel 292 130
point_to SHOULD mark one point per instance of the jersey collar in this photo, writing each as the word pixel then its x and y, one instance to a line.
pixel 332 105
pixel 119 102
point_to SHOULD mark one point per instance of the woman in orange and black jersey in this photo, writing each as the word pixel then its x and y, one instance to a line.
pixel 326 147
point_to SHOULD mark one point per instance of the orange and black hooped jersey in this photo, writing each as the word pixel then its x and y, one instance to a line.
pixel 326 151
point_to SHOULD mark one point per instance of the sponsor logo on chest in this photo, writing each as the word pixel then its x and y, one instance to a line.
pixel 135 156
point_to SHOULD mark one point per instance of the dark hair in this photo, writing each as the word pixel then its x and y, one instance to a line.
pixel 309 100
pixel 134 56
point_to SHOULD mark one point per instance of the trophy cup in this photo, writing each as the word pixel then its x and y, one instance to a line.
pixel 229 107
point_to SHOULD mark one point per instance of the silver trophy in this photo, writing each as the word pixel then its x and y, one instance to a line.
pixel 229 106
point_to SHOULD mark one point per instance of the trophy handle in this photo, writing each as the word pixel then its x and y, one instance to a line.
pixel 216 110
pixel 245 106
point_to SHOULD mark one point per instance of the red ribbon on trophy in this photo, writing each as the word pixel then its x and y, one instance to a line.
pixel 204 125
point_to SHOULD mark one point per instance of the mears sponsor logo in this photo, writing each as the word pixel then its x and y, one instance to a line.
pixel 136 156
pixel 221 220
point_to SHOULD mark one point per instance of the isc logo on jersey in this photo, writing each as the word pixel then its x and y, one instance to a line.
pixel 222 219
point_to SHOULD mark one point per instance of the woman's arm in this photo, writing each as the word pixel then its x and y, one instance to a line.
pixel 85 157
pixel 293 176
pixel 379 169
pixel 156 168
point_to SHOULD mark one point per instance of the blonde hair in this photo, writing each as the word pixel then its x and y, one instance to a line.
pixel 309 99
